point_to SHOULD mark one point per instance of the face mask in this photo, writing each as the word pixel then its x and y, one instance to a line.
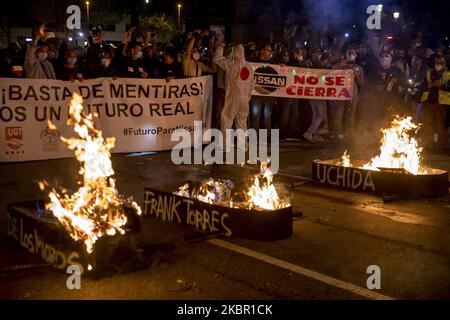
pixel 106 62
pixel 351 57
pixel 300 58
pixel 439 67
pixel 42 56
pixel 72 60
pixel 196 56
pixel 386 62
pixel 139 55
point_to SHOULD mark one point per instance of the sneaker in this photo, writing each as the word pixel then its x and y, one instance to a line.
pixel 319 138
pixel 309 136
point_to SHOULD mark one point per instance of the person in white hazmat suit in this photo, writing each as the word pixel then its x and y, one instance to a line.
pixel 238 91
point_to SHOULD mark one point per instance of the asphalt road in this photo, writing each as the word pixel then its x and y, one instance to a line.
pixel 338 236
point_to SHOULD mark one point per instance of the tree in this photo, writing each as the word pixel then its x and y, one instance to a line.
pixel 164 26
pixel 13 13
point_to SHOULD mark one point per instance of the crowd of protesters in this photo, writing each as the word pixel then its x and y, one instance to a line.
pixel 391 77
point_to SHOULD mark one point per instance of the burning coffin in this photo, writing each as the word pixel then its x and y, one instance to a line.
pixel 397 170
pixel 88 227
pixel 41 234
pixel 259 214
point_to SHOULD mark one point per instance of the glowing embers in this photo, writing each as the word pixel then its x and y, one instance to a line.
pixel 96 209
pixel 399 151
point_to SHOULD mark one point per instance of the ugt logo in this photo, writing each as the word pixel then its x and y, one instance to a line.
pixel 73 22
pixel 267 80
pixel 14 137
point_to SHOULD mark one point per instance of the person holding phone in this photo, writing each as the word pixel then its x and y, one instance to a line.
pixel 36 63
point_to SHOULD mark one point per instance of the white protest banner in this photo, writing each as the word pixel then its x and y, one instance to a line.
pixel 289 82
pixel 140 113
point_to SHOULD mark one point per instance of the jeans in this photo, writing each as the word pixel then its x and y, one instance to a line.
pixel 433 122
pixel 262 106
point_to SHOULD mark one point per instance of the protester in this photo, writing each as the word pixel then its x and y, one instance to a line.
pixel 70 70
pixel 262 107
pixel 5 63
pixel 108 69
pixel 36 64
pixel 319 108
pixel 437 79
pixel 171 68
pixel 386 99
pixel 192 66
pixel 93 54
pixel 289 107
pixel 416 81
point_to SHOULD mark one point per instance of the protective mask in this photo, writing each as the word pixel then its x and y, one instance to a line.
pixel 439 67
pixel 42 56
pixel 106 62
pixel 139 55
pixel 51 54
pixel 300 59
pixel 386 62
pixel 239 53
pixel 196 56
pixel 72 60
pixel 351 57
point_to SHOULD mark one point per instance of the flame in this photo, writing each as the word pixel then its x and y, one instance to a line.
pixel 398 149
pixel 259 196
pixel 345 160
pixel 265 196
pixel 96 209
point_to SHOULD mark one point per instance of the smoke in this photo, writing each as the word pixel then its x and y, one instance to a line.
pixel 337 13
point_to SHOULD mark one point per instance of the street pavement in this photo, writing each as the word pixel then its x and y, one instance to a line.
pixel 337 236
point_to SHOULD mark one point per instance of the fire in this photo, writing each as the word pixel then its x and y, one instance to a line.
pixel 96 209
pixel 399 150
pixel 265 196
pixel 262 195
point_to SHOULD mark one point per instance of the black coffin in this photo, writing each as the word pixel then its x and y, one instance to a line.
pixel 230 222
pixel 328 173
